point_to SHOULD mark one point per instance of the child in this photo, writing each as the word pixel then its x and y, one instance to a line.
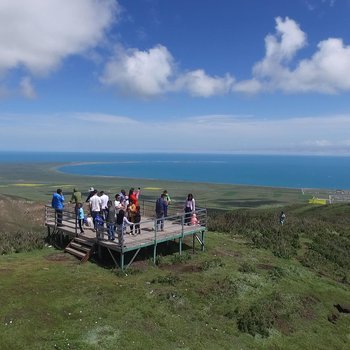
pixel 98 222
pixel 110 220
pixel 137 220
pixel 194 220
pixel 121 222
pixel 80 216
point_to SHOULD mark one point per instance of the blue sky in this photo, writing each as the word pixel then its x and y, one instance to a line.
pixel 243 76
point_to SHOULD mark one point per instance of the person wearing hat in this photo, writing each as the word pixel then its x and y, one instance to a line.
pixel 91 193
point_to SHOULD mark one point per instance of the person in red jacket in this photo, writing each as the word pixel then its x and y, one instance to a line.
pixel 134 196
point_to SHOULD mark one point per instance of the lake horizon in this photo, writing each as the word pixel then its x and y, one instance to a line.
pixel 290 171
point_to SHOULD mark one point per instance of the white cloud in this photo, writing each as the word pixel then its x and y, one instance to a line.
pixel 144 73
pixel 198 83
pixel 39 34
pixel 325 72
pixel 102 118
pixel 154 72
pixel 26 88
pixel 252 86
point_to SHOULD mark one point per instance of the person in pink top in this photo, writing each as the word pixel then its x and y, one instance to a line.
pixel 190 207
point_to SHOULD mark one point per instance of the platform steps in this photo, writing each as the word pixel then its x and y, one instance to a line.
pixel 81 248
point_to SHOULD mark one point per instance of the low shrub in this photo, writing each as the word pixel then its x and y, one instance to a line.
pixel 168 279
pixel 213 263
pixel 265 313
pixel 247 267
pixel 21 241
pixel 180 258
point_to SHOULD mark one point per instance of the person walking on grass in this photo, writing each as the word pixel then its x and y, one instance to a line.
pixel 282 217
pixel 58 204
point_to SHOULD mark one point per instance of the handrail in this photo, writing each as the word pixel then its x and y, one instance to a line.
pixel 70 219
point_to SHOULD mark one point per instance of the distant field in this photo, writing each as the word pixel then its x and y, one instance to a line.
pixel 39 181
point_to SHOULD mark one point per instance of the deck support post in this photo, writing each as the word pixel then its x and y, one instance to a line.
pixel 99 252
pixel 202 241
pixel 122 260
pixel 154 253
pixel 193 242
pixel 133 258
pixel 115 261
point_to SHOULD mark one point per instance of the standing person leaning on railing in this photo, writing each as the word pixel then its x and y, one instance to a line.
pixel 160 209
pixel 58 204
pixel 190 207
pixel 76 199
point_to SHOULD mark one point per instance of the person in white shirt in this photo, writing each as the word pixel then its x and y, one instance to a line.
pixel 104 207
pixel 95 206
pixel 117 203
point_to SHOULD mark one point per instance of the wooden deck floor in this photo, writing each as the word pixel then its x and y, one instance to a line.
pixel 148 236
pixel 174 228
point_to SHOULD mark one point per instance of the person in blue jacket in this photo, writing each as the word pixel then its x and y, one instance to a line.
pixel 58 204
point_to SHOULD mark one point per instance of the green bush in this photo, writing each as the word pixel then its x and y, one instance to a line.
pixel 21 241
pixel 247 267
pixel 265 313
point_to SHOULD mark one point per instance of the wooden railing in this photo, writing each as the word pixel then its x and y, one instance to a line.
pixel 176 215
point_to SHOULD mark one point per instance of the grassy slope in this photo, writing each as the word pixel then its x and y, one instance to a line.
pixel 193 302
pixel 173 306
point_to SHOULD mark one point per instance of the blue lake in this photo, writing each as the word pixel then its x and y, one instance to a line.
pixel 279 171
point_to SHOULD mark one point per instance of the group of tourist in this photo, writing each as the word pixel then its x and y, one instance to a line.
pixel 119 213
pixel 161 209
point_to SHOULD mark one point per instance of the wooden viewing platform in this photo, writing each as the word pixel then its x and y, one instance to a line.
pixel 84 244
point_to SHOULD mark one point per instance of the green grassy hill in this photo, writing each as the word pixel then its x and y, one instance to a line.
pixel 257 286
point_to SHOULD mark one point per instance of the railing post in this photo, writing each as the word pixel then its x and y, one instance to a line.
pixel 155 240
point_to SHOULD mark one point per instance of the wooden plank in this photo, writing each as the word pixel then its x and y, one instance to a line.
pixel 84 241
pixel 79 246
pixel 75 252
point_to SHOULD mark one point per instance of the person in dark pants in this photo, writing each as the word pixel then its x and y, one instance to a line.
pixel 160 209
pixel 58 204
